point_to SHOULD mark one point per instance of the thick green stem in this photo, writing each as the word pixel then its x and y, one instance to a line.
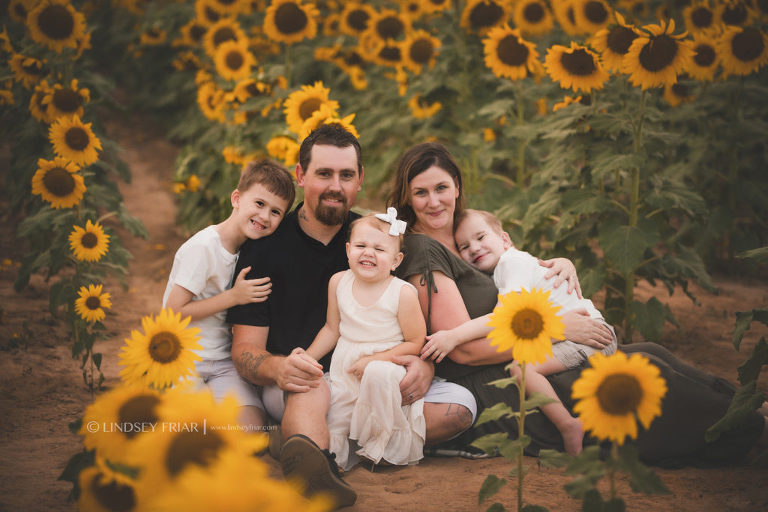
pixel 521 142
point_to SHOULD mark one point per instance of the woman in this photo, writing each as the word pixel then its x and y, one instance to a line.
pixel 428 193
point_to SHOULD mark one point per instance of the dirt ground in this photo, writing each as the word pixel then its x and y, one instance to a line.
pixel 42 390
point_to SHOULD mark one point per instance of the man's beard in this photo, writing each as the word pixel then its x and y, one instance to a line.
pixel 330 215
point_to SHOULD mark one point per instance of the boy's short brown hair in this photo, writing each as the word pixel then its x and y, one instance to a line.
pixel 377 223
pixel 493 222
pixel 271 175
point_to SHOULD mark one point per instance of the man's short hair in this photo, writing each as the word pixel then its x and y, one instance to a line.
pixel 332 134
pixel 490 219
pixel 271 175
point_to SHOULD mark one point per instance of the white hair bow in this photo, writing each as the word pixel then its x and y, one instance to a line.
pixel 397 226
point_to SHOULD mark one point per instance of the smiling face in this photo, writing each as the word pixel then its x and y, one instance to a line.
pixel 372 253
pixel 258 210
pixel 331 182
pixel 480 245
pixel 432 195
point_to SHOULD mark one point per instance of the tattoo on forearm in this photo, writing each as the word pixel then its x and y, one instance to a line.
pixel 248 364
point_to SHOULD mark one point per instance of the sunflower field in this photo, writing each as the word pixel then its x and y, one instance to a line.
pixel 627 135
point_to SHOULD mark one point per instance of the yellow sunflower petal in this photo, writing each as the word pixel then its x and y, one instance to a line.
pixel 89 243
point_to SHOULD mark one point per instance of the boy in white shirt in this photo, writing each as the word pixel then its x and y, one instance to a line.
pixel 199 283
pixel 482 243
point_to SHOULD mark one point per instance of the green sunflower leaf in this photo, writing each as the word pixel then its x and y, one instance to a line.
pixel 625 246
pixel 744 320
pixel 535 400
pixel 496 412
pixel 490 442
pixel 496 507
pixel 554 458
pixel 503 383
pixel 490 486
pixel 649 317
pixel 749 370
pixel 744 403
pixel 641 478
pixel 759 255
pixel 512 449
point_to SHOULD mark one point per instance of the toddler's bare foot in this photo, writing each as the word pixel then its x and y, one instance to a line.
pixel 573 436
pixel 763 409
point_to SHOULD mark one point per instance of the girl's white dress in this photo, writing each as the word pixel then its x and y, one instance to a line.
pixel 369 410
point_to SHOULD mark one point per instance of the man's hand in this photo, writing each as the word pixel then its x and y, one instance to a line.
pixel 299 372
pixel 418 377
pixel 438 346
pixel 581 328
pixel 245 291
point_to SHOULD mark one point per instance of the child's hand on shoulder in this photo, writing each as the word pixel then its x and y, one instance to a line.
pixel 245 291
pixel 438 346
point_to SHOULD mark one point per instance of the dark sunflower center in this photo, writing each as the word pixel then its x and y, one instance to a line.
pixel 748 45
pixel 89 240
pixel 620 39
pixel 702 17
pixel 704 56
pixel 353 59
pixel 390 27
pixel 56 22
pixel 192 448
pixel 511 52
pixel 139 409
pixel 59 182
pixel 681 90
pixel 527 324
pixel 223 34
pixel 34 68
pixel 20 11
pixel 234 60
pixel 196 32
pixel 421 51
pixel 571 15
pixel 290 18
pixel 164 347
pixel 579 63
pixel 67 100
pixel 153 33
pixel 735 14
pixel 485 15
pixel 93 303
pixel 595 12
pixel 533 12
pixel 391 54
pixel 358 20
pixel 413 7
pixel 77 138
pixel 253 89
pixel 619 394
pixel 113 496
pixel 658 53
pixel 308 107
pixel 226 2
pixel 211 14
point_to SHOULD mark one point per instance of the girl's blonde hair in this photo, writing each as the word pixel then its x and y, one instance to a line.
pixel 377 223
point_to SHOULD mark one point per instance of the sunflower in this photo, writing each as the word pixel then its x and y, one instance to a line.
pixel 236 483
pixel 421 109
pixel 678 93
pixel 233 60
pixel 565 14
pixel 193 431
pixel 89 243
pixel 355 18
pixel 433 6
pixel 705 58
pixel 507 54
pixel 193 183
pixel 699 18
pixel 250 88
pixel 357 78
pixel 113 423
pixel 657 57
pixel 482 15
pixel 733 13
pixel 37 108
pixel 411 9
pixel 187 61
pixel 635 9
pixel 163 355
pixel 576 68
pixel 301 104
pixel 5 42
pixel 567 100
pixel 104 490
pixel 153 37
pixel 613 43
pixel 290 21
pixel 19 9
pixel 284 148
pixel 210 99
pixel 191 34
pixel 56 24
pixel 526 323
pixel 742 50
pixel 58 183
pixel 591 15
pixel 66 101
pixel 533 17
pixel 74 140
pixel 389 25
pixel 6 97
pixel 389 54
pixel 761 9
pixel 420 49
pixel 27 70
pixel 205 13
pixel 331 25
pixel 91 303
pixel 223 30
pixel 616 392
pixel 230 7
pixel 323 116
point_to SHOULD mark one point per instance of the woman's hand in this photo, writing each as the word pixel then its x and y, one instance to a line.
pixel 564 269
pixel 583 329
pixel 418 377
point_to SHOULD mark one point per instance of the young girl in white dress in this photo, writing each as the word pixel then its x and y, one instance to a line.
pixel 372 317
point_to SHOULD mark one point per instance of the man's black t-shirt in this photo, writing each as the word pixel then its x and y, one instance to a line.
pixel 300 268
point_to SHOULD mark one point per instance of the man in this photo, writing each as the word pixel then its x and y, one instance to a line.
pixel 269 338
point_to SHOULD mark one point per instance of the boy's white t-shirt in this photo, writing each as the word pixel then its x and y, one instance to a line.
pixel 517 270
pixel 204 267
